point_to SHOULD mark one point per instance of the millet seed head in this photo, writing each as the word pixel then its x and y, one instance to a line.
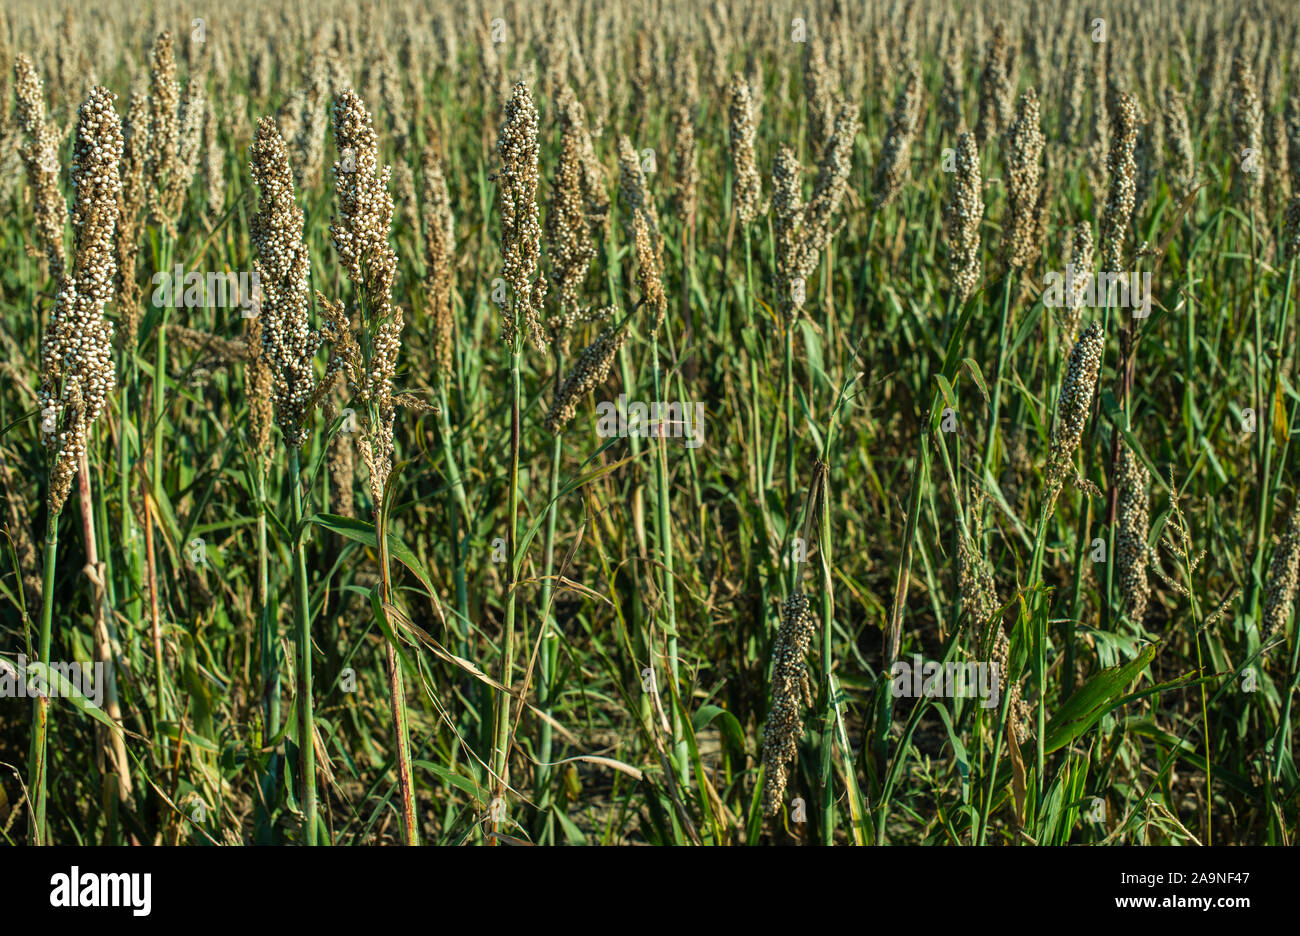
pixel 790 689
pixel 521 234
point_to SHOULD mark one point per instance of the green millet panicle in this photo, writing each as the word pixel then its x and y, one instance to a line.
pixel 1132 521
pixel 1283 577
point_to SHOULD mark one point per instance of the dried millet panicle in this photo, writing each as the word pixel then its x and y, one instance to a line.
pixel 686 173
pixel 964 215
pixel 1072 103
pixel 135 149
pixel 978 593
pixel 748 191
pixel 360 232
pixel 1081 267
pixel 1178 135
pixel 1247 130
pixel 831 183
pixel 439 251
pixel 1099 147
pixel 802 231
pixel 164 124
pixel 790 689
pixel 283 269
pixel 1279 158
pixel 521 234
pixel 365 208
pixel 1073 407
pixel 77 373
pixel 1122 166
pixel 341 463
pixel 590 370
pixel 258 391
pixel 996 90
pixel 632 188
pixel 40 153
pixel 1025 143
pixel 644 224
pixel 213 163
pixel 894 157
pixel 787 230
pixel 568 233
pixel 189 147
pixel 818 89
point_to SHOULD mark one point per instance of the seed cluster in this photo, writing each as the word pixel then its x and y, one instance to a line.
pixel 790 689
pixel 819 92
pixel 439 251
pixel 787 222
pixel 644 228
pixel 1247 130
pixel 964 215
pixel 685 169
pixel 996 89
pixel 802 231
pixel 1025 143
pixel 283 269
pixel 521 235
pixel 360 231
pixel 748 190
pixel 1132 522
pixel 163 162
pixel 892 169
pixel 1074 405
pixel 189 147
pixel 1178 134
pixel 1081 260
pixel 589 371
pixel 77 348
pixel 832 180
pixel 979 597
pixel 1283 578
pixel 568 232
pixel 1122 167
pixel 40 153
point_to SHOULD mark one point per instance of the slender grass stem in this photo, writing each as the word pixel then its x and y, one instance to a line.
pixel 302 636
pixel 500 750
pixel 38 761
pixel 396 688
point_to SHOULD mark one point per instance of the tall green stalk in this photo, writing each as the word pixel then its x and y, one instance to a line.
pixel 550 638
pixel 500 748
pixel 302 636
pixel 38 760
pixel 396 688
pixel 997 381
pixel 664 537
pixel 269 651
